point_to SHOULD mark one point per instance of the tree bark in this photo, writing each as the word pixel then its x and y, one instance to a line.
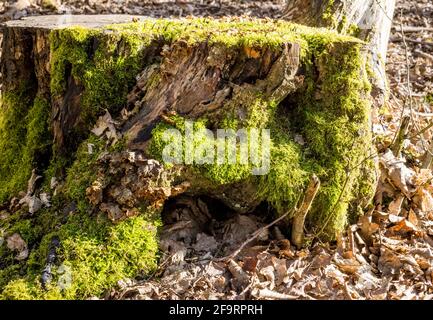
pixel 370 20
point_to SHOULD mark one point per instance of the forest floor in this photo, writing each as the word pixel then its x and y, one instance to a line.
pixel 388 254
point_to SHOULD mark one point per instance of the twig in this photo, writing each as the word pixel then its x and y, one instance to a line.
pixel 421 42
pixel 409 86
pixel 428 158
pixel 301 213
pixel 410 29
pixel 423 130
pixel 254 236
pixel 397 145
pixel 406 50
pixel 423 54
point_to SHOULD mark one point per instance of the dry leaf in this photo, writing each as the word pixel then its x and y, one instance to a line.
pixel 389 264
pixel 252 53
pixel 403 228
pixel 250 264
pixel 424 200
pixel 16 243
pixel 367 228
pixel 400 175
pixel 395 206
pixel 412 217
pixel 205 243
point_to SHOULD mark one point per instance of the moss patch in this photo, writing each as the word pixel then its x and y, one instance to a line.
pixel 93 254
pixel 24 140
pixel 104 64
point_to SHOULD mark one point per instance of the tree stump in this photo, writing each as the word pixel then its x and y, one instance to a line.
pixel 221 71
pixel 89 103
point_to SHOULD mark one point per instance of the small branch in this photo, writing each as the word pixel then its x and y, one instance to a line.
pixel 428 158
pixel 410 29
pixel 253 237
pixel 301 213
pixel 421 42
pixel 397 146
pixel 423 54
pixel 425 129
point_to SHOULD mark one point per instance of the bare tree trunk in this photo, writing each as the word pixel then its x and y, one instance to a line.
pixel 369 20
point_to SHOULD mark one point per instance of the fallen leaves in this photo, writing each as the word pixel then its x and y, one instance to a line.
pixel 17 244
pixel 105 124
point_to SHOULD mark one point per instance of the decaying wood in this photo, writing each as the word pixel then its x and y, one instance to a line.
pixel 193 80
pixel 301 213
pixel 26 56
pixel 194 83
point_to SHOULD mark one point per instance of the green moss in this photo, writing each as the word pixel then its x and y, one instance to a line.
pixel 429 98
pixel 49 4
pixel 328 15
pixel 230 33
pixel 94 253
pixel 24 139
pixel 104 64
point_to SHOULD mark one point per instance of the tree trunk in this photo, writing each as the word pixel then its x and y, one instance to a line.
pixel 370 20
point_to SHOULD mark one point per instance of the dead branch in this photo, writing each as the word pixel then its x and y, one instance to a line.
pixel 397 146
pixel 423 54
pixel 254 236
pixel 301 213
pixel 411 29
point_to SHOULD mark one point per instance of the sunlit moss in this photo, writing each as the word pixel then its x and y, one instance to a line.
pixel 93 251
pixel 24 139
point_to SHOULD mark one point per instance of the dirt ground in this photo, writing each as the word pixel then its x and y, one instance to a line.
pixel 388 254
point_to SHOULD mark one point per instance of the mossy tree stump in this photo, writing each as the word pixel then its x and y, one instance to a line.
pixel 308 86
